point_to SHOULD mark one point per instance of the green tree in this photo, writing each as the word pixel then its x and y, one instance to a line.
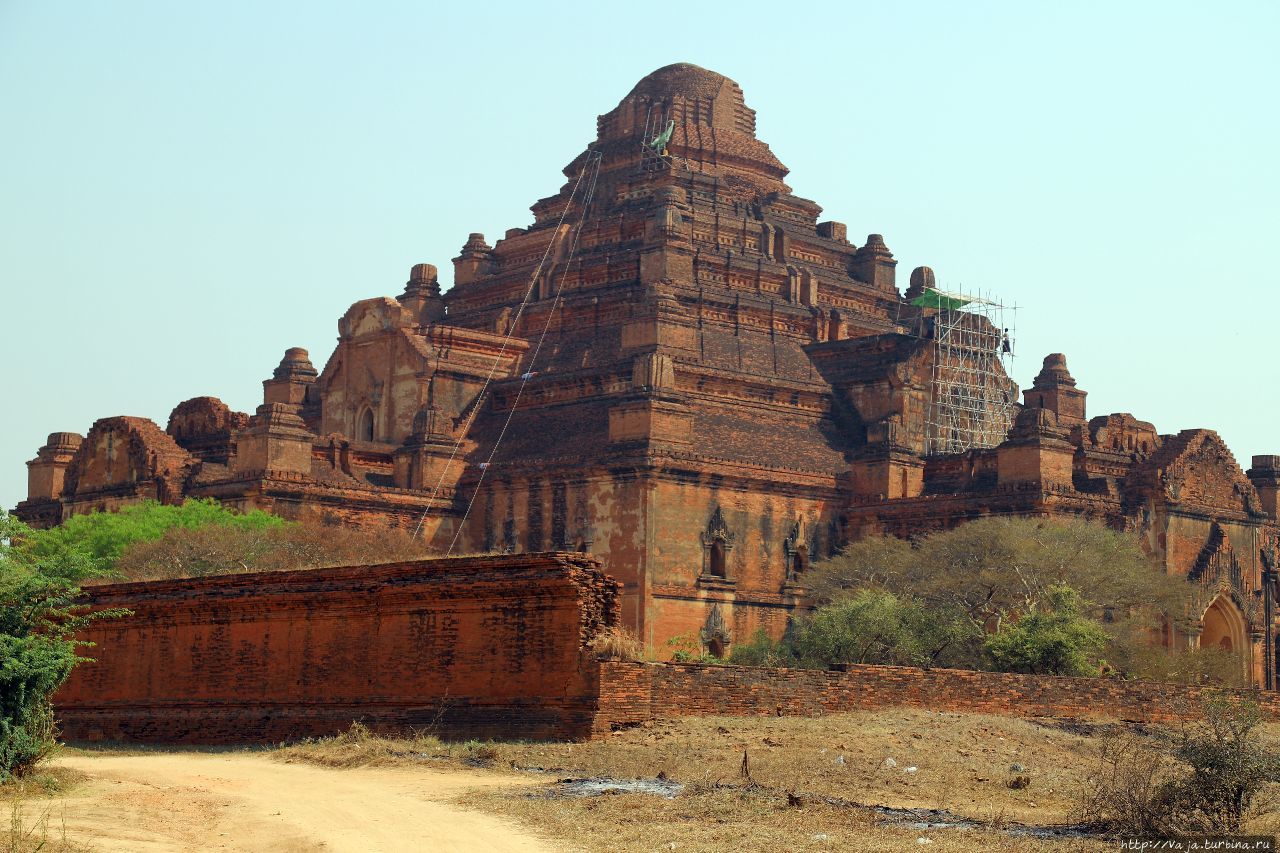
pixel 101 537
pixel 995 569
pixel 992 568
pixel 761 650
pixel 1054 639
pixel 38 649
pixel 876 626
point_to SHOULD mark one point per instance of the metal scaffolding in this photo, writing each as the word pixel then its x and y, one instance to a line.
pixel 972 400
pixel 652 159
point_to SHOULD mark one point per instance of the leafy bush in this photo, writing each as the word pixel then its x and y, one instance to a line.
pixel 685 649
pixel 1055 640
pixel 761 650
pixel 38 650
pixel 866 626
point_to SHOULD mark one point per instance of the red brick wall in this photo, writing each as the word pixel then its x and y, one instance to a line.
pixel 633 692
pixel 479 647
pixel 474 647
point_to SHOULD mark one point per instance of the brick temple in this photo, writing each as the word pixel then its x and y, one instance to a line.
pixel 707 387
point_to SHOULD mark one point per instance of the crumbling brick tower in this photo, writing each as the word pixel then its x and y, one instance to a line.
pixel 727 388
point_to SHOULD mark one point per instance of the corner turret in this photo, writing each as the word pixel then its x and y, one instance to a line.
pixel 422 294
pixel 1055 389
pixel 874 264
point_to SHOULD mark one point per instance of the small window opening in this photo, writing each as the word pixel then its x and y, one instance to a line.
pixel 800 561
pixel 718 569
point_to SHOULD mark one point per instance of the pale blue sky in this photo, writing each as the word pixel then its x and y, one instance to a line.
pixel 188 189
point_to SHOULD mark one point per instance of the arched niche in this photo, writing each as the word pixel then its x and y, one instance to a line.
pixel 1224 626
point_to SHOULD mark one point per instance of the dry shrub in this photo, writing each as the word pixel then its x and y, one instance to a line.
pixel 618 644
pixel 220 549
pixel 1215 777
pixel 359 746
pixel 1125 791
pixel 480 753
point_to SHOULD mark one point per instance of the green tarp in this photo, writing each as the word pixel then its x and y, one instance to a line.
pixel 934 299
pixel 660 141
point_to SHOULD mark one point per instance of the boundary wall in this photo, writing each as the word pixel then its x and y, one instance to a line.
pixel 471 646
pixel 631 693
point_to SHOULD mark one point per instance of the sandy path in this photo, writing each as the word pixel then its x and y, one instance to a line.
pixel 246 801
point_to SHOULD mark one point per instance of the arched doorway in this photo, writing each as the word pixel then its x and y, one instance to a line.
pixel 364 429
pixel 1224 626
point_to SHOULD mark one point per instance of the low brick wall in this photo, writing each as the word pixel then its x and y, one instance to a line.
pixel 633 692
pixel 489 647
pixel 477 647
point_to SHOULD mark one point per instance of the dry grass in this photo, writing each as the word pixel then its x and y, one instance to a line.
pixel 33 823
pixel 45 781
pixel 359 747
pixel 714 821
pixel 618 644
pixel 36 827
pixel 961 763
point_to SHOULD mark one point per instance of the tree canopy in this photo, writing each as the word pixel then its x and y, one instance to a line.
pixel 1023 595
pixel 1055 639
pixel 993 568
pixel 876 626
pixel 102 537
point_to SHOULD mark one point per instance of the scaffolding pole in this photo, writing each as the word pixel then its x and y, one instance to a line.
pixel 972 400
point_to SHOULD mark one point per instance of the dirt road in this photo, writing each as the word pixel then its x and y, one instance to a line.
pixel 246 801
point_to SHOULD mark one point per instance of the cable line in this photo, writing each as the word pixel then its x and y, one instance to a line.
pixel 593 163
pixel 593 158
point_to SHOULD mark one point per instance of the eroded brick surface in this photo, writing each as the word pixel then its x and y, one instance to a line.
pixel 474 647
